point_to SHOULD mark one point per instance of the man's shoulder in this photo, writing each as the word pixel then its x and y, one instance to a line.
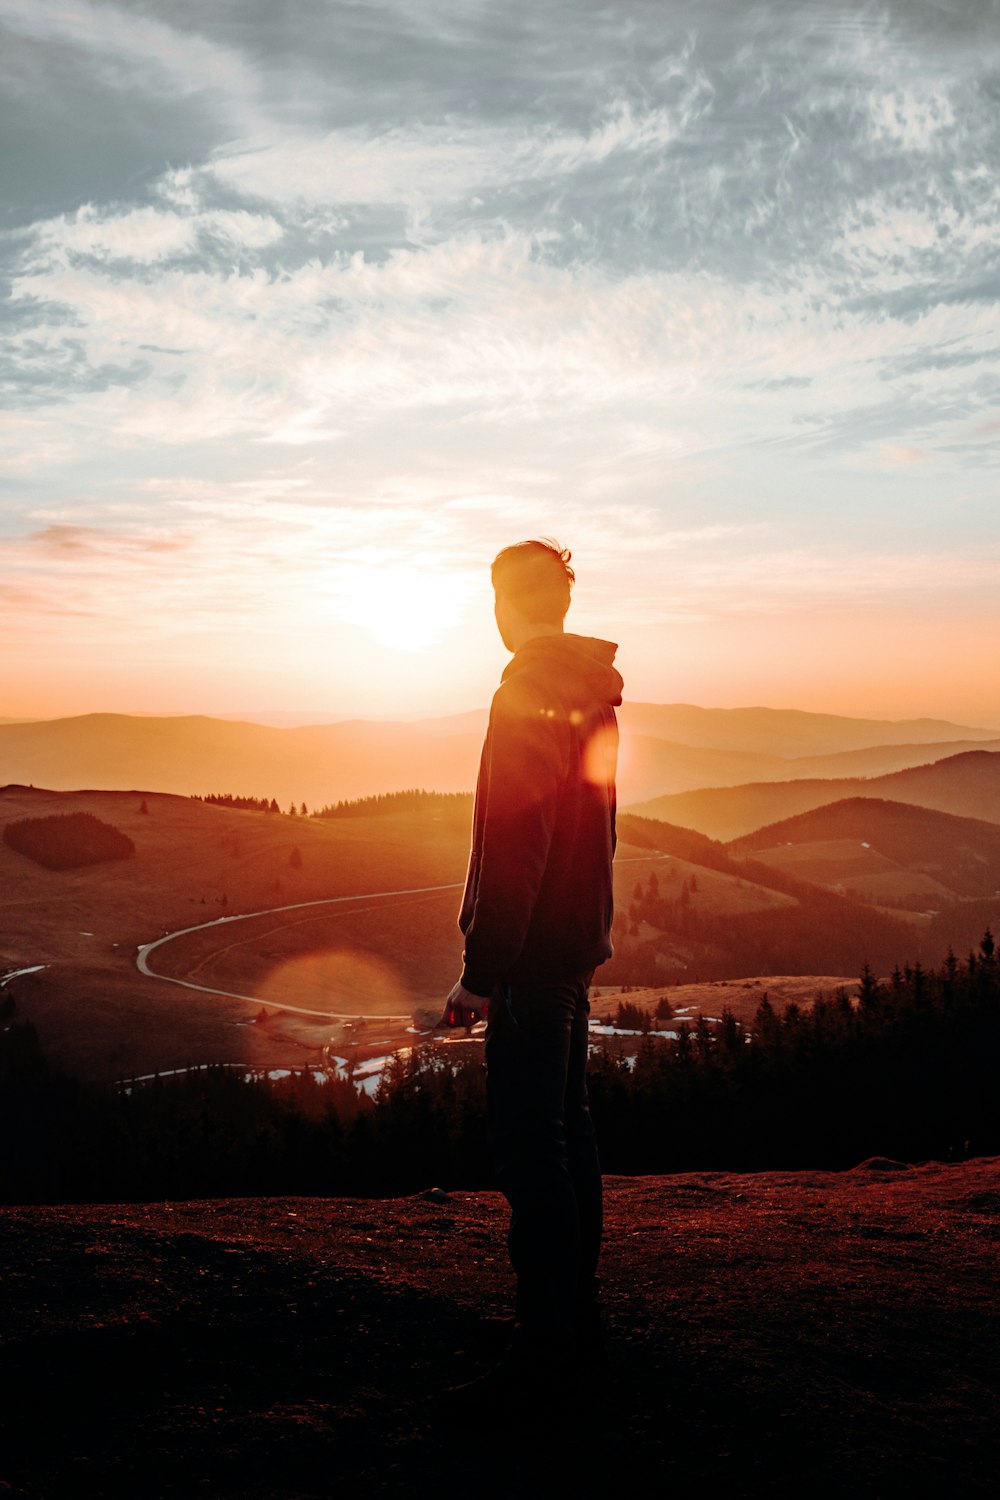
pixel 523 695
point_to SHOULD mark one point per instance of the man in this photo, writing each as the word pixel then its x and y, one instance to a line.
pixel 536 917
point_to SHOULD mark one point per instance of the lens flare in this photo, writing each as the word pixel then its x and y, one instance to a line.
pixel 600 756
pixel 343 981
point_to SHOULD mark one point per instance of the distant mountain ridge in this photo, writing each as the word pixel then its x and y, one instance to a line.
pixel 787 732
pixel 321 763
pixel 966 785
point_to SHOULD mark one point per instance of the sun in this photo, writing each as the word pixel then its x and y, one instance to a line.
pixel 403 608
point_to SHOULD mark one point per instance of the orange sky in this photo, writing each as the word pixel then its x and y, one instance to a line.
pixel 372 295
pixel 907 662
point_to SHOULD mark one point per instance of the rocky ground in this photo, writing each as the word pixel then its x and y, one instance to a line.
pixel 781 1334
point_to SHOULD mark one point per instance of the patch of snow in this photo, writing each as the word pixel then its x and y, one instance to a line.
pixel 86 934
pixel 370 1071
pixel 176 1072
pixel 276 1073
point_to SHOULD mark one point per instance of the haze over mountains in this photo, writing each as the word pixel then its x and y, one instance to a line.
pixel 667 749
pixel 966 785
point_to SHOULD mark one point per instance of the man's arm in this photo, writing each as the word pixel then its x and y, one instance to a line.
pixel 524 775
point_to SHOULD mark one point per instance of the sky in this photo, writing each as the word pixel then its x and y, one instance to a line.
pixel 310 308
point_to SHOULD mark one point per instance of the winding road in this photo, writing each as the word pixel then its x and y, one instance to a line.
pixel 145 949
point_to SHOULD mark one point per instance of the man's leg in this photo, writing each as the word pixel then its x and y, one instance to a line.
pixel 584 1163
pixel 544 1150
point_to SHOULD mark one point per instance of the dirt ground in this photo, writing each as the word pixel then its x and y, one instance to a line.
pixel 779 1334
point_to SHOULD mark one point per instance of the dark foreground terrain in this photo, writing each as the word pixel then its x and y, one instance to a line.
pixel 821 1334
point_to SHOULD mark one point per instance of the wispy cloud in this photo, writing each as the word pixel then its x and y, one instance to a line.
pixel 131 51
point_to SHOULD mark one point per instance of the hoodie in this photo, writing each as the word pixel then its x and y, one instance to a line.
pixel 538 898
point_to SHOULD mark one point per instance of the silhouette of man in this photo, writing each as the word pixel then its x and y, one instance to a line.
pixel 536 917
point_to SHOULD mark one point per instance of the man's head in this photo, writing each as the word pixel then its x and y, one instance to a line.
pixel 532 582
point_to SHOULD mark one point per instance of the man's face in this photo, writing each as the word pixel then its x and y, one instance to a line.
pixel 502 615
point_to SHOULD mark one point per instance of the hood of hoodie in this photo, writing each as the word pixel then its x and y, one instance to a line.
pixel 582 662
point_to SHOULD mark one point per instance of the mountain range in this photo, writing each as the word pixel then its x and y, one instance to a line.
pixel 667 750
pixel 966 785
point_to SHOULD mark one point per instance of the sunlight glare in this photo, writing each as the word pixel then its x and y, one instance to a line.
pixel 404 608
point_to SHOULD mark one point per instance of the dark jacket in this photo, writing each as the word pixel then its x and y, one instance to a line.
pixel 538 899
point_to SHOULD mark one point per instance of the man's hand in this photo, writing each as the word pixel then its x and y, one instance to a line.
pixel 463 1008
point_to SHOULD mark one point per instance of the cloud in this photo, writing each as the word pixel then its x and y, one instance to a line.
pixel 448 162
pixel 911 117
pixel 426 275
pixel 134 51
pixel 149 235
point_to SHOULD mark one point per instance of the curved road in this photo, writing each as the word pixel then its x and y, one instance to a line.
pixel 145 949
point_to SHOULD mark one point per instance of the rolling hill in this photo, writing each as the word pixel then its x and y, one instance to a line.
pixel 883 852
pixel 966 785
pixel 199 866
pixel 688 909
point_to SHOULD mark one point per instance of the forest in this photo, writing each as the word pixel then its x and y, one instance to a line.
pixel 906 1069
pixel 67 841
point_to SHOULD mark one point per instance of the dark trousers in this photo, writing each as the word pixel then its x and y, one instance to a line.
pixel 544 1148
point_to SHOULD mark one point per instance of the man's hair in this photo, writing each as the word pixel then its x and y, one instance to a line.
pixel 536 577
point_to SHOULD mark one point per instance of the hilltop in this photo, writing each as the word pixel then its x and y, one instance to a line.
pixel 888 852
pixel 785 1333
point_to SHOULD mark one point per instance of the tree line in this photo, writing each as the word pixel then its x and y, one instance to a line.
pixel 906 1068
pixel 412 799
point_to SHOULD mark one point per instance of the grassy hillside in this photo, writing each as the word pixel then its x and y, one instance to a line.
pixel 193 864
pixel 672 935
pixel 688 910
pixel 196 863
pixel 883 850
